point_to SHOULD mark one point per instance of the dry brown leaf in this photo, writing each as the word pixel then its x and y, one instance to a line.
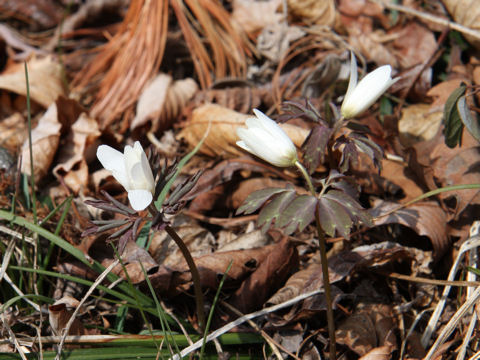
pixel 13 131
pixel 75 154
pixel 419 122
pixel 44 76
pixel 425 218
pixel 267 278
pixel 59 315
pixel 312 11
pixel 199 241
pixel 442 91
pixel 212 266
pixel 369 326
pixel 222 138
pixel 253 15
pixel 137 262
pixel 162 101
pixel 414 44
pixel 45 139
pixel 466 13
pixel 340 266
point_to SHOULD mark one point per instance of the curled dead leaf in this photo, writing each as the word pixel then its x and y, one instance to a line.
pixel 45 139
pixel 222 138
pixel 162 101
pixel 425 218
pixel 59 315
pixel 44 76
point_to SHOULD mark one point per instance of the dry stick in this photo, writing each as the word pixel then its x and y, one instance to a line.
pixel 97 282
pixel 194 271
pixel 242 319
pixel 429 17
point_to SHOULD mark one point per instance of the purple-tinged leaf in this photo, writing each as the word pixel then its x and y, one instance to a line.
pixel 351 206
pixel 349 156
pixel 358 127
pixel 299 213
pixel 346 186
pixel 315 146
pixel 256 199
pixel 370 148
pixel 334 217
pixel 294 109
pixel 274 208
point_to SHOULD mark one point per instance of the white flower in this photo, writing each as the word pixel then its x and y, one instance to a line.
pixel 267 140
pixel 131 169
pixel 360 96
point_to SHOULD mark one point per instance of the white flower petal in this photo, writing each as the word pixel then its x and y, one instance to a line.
pixel 352 83
pixel 367 91
pixel 273 128
pixel 114 161
pixel 139 199
pixel 262 144
pixel 147 172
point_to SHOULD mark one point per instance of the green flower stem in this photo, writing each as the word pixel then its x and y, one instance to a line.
pixel 324 260
pixel 194 271
pixel 304 172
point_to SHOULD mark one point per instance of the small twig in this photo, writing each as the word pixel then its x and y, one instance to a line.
pixel 423 280
pixel 432 18
pixel 97 282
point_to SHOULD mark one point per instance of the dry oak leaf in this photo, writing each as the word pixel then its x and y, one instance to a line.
pixel 162 101
pixel 78 150
pixel 44 77
pixel 466 13
pixel 222 137
pixel 45 139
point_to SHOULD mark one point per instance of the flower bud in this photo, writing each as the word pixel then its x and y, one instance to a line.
pixel 132 170
pixel 360 96
pixel 267 140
